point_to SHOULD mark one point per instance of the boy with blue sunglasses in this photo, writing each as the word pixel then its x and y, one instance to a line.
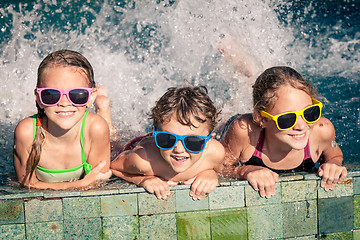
pixel 180 149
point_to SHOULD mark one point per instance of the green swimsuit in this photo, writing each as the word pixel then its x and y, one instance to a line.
pixel 65 175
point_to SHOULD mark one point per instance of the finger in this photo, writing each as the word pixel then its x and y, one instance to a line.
pixel 275 176
pixel 343 175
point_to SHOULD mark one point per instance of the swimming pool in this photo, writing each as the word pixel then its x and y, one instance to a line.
pixel 140 48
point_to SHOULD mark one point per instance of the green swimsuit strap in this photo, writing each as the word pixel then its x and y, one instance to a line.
pixel 86 165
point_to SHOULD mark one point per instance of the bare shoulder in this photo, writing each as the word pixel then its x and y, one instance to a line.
pixel 240 129
pixel 140 159
pixel 24 131
pixel 215 151
pixel 97 126
pixel 324 130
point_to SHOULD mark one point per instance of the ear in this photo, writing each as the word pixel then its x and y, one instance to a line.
pixel 257 118
pixel 92 98
pixel 38 99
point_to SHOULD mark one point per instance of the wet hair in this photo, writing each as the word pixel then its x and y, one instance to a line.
pixel 61 58
pixel 185 102
pixel 269 82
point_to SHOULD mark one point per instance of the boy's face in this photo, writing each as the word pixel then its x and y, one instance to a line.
pixel 178 157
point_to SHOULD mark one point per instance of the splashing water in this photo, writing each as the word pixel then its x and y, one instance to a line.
pixel 140 48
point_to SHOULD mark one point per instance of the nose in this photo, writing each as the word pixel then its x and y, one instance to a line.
pixel 179 147
pixel 300 124
pixel 64 101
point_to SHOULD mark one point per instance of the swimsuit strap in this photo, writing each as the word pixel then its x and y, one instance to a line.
pixel 131 144
pixel 307 151
pixel 259 146
pixel 86 165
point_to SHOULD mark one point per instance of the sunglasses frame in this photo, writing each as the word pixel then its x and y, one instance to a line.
pixel 62 93
pixel 182 139
pixel 297 113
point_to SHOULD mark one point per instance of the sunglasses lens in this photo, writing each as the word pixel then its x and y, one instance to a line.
pixel 194 143
pixel 50 96
pixel 286 121
pixel 79 96
pixel 312 114
pixel 165 140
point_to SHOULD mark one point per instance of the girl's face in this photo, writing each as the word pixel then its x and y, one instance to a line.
pixel 290 99
pixel 65 115
pixel 178 157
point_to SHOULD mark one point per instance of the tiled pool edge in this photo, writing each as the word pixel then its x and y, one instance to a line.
pixel 300 209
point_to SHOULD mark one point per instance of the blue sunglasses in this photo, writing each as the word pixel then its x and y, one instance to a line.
pixel 192 143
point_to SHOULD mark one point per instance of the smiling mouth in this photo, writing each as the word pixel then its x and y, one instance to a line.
pixel 298 136
pixel 179 160
pixel 65 114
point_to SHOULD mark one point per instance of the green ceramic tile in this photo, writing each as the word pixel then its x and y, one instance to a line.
pixel 11 211
pixel 43 210
pixel 161 226
pixel 291 177
pixel 252 197
pixel 341 190
pixel 124 228
pixel 193 225
pixel 298 191
pixel 356 182
pixel 227 197
pixel 338 236
pixel 335 215
pixel 265 222
pixel 119 205
pixel 45 230
pixel 81 207
pixel 357 212
pixel 303 238
pixel 299 218
pixel 229 224
pixel 185 203
pixel 150 204
pixel 61 194
pixel 12 231
pixel 85 228
pixel 356 234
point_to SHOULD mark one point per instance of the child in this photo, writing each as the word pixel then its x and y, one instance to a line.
pixel 285 133
pixel 181 148
pixel 63 146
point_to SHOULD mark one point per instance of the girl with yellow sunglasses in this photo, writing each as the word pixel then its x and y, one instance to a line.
pixel 285 133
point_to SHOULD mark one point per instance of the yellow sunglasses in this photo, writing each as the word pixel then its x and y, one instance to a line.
pixel 287 120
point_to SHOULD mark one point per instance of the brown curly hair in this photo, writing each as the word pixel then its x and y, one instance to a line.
pixel 185 102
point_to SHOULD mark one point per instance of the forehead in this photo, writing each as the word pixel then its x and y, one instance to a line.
pixel 61 76
pixel 173 125
pixel 288 98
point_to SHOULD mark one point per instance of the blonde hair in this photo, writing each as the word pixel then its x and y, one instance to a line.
pixel 65 58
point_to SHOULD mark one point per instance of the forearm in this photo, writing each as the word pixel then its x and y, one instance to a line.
pixel 58 185
pixel 133 178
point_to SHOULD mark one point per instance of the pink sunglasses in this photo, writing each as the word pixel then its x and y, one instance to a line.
pixel 52 96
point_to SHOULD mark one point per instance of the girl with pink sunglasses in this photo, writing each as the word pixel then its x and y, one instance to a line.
pixel 63 146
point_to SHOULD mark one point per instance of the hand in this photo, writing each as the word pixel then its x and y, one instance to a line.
pixel 262 180
pixel 157 186
pixel 95 174
pixel 331 174
pixel 205 182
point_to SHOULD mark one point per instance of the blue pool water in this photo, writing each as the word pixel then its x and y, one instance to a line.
pixel 140 48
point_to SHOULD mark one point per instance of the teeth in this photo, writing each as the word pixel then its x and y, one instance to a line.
pixel 179 158
pixel 65 113
pixel 298 135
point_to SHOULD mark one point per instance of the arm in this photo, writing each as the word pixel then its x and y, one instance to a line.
pixel 331 170
pixel 206 181
pixel 132 166
pixel 237 138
